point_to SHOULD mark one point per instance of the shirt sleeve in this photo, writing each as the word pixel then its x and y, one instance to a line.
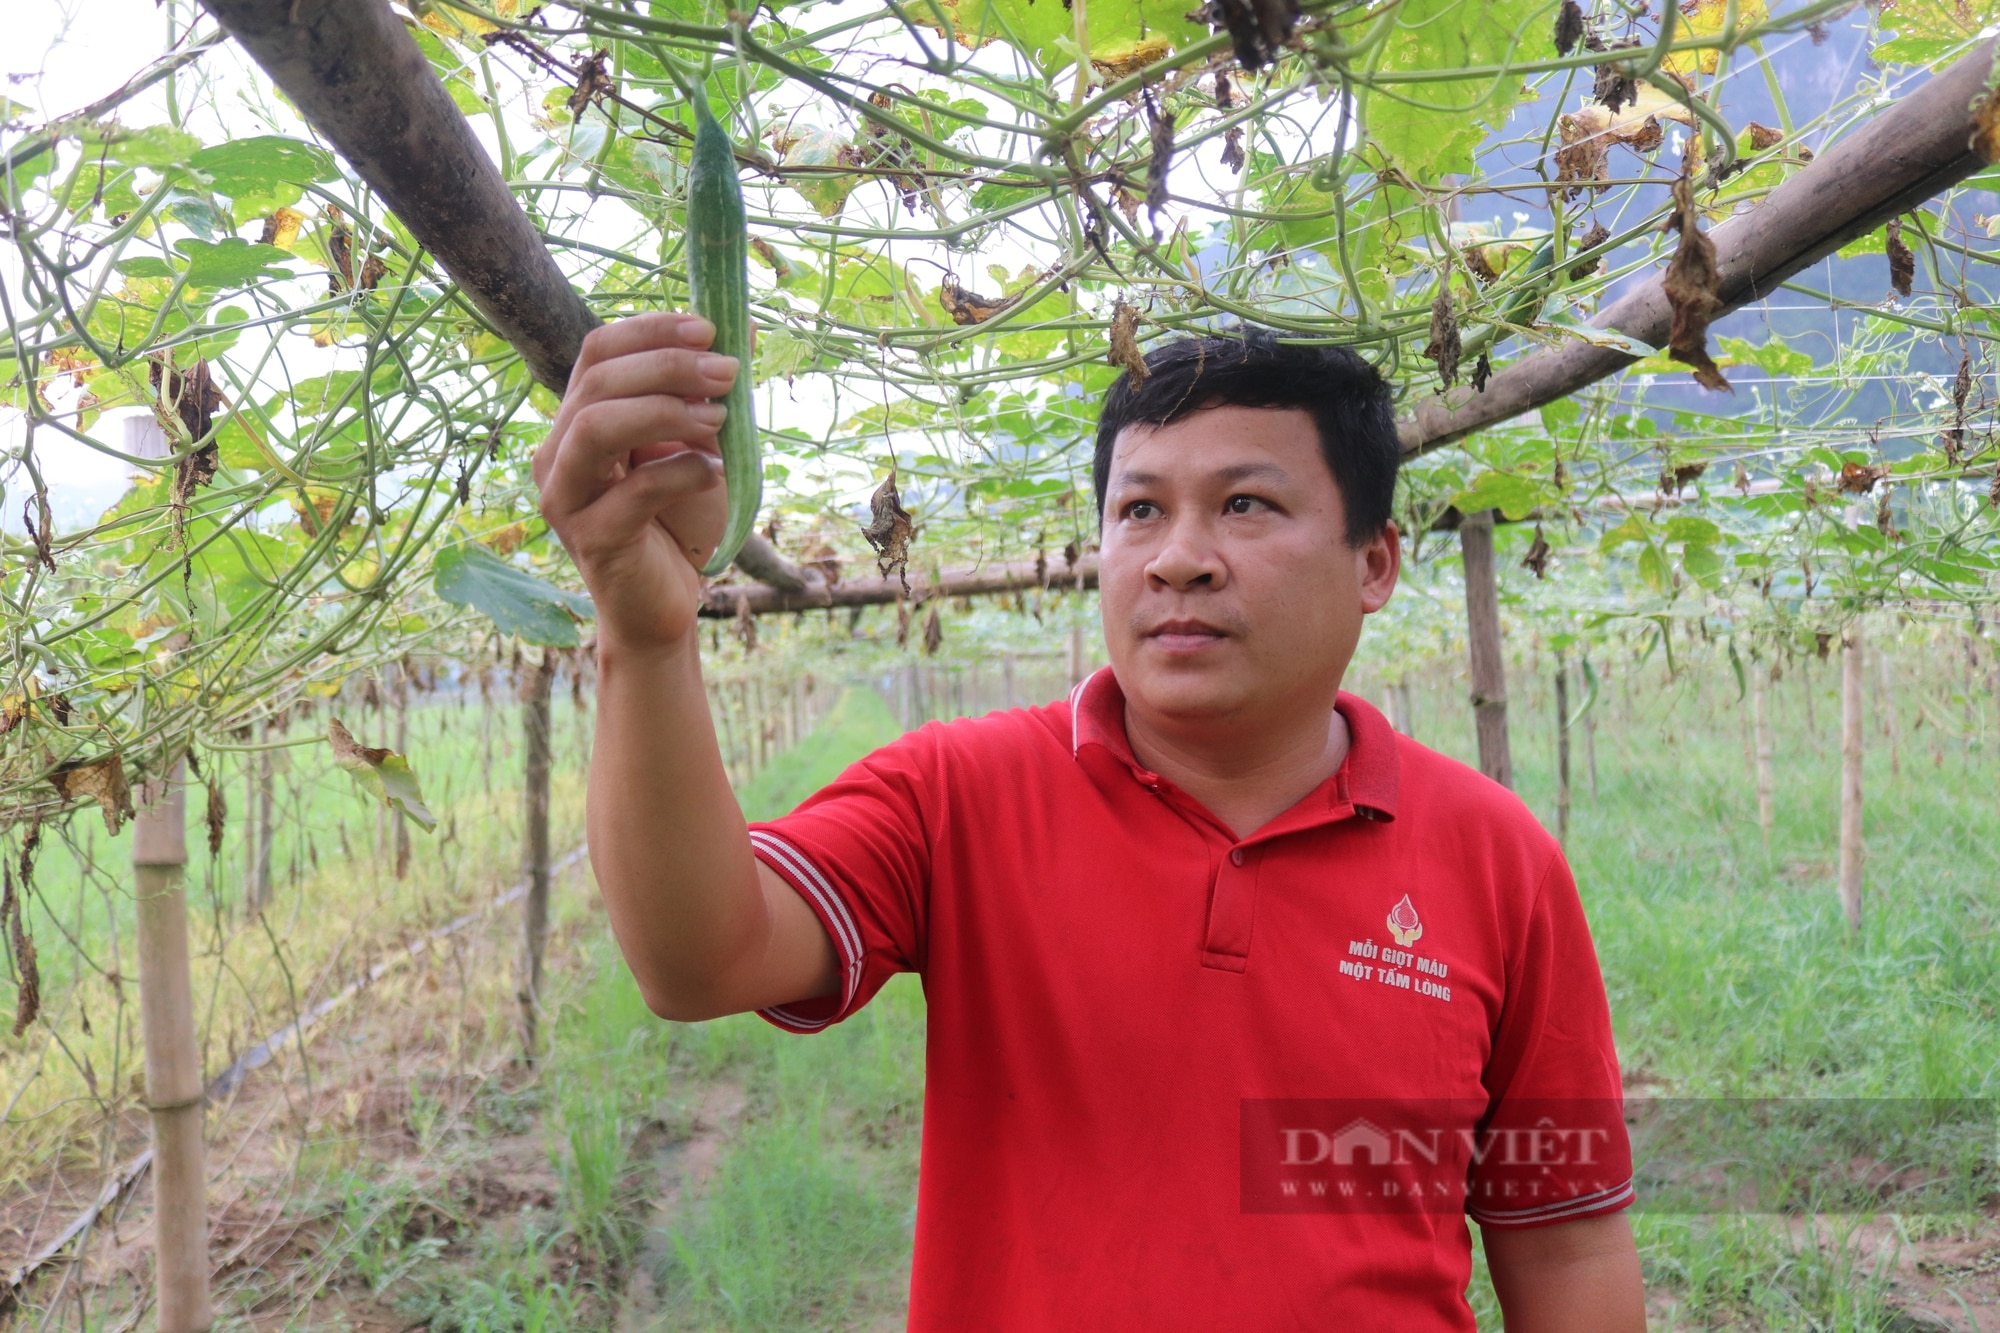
pixel 859 852
pixel 1555 1148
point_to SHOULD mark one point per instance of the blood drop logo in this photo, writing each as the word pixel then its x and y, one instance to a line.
pixel 1403 923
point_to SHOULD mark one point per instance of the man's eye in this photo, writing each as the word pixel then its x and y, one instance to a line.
pixel 1142 509
pixel 1244 504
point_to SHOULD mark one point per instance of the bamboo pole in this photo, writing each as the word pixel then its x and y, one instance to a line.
pixel 1891 726
pixel 174 1097
pixel 535 910
pixel 1482 627
pixel 400 823
pixel 1760 722
pixel 1562 746
pixel 1850 775
pixel 264 822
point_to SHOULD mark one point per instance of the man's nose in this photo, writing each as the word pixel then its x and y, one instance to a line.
pixel 1187 559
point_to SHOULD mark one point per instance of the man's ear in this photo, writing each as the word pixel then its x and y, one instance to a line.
pixel 1381 565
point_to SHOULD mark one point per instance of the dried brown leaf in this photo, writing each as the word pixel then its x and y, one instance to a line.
pixel 1954 435
pixel 1569 27
pixel 966 306
pixel 1444 346
pixel 1258 29
pixel 1885 518
pixel 1482 370
pixel 1125 352
pixel 933 633
pixel 27 975
pixel 889 530
pixel 1985 137
pixel 1161 161
pixel 1763 136
pixel 340 249
pixel 1596 236
pixel 1614 86
pixel 1232 148
pixel 1691 283
pixel 1537 557
pixel 101 779
pixel 1902 259
pixel 593 84
pixel 1860 478
pixel 214 815
pixel 1583 159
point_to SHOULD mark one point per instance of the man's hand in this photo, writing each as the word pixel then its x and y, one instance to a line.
pixel 632 483
pixel 630 475
pixel 1573 1277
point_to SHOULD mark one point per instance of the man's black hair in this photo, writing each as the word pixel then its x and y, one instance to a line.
pixel 1347 398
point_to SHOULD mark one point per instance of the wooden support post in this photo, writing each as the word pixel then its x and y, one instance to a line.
pixel 1886 705
pixel 400 823
pixel 1760 721
pixel 535 913
pixel 1591 745
pixel 1850 775
pixel 1562 746
pixel 173 1061
pixel 1482 629
pixel 263 824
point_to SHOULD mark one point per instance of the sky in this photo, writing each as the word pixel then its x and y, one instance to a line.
pixel 61 55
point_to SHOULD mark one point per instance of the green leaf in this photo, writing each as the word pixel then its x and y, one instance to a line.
pixel 382 772
pixel 1120 32
pixel 1433 129
pixel 259 165
pixel 153 146
pixel 1513 495
pixel 1694 531
pixel 513 599
pixel 232 262
pixel 1653 569
pixel 819 151
pixel 1703 565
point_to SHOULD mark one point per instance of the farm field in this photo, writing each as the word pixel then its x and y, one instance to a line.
pixel 359 361
pixel 726 1175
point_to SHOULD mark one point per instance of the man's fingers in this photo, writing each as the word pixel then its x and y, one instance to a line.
pixel 686 372
pixel 640 333
pixel 593 452
pixel 622 513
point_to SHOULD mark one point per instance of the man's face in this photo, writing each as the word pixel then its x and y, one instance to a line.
pixel 1228 587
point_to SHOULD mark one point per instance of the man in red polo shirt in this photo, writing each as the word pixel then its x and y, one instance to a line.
pixel 1238 1002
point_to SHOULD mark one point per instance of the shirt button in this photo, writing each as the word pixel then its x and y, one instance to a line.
pixel 1236 857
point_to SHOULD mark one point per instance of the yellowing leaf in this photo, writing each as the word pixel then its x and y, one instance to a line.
pixel 386 774
pixel 282 228
pixel 1703 18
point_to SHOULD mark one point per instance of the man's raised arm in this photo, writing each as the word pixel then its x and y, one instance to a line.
pixel 631 482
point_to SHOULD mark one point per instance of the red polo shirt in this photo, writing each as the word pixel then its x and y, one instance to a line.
pixel 1178 1079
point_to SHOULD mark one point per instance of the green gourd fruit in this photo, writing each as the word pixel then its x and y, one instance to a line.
pixel 719 282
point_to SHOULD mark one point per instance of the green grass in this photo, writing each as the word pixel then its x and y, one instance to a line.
pixel 857 723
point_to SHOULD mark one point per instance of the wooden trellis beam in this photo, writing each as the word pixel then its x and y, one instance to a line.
pixel 1917 148
pixel 730 600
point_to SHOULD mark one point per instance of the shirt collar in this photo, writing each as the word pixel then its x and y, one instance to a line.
pixel 1366 781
